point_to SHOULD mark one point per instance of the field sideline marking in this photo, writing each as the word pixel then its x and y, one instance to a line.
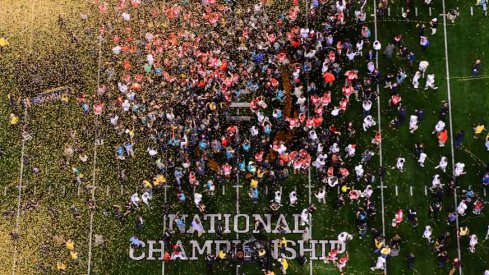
pixel 380 129
pixel 94 175
pixel 379 123
pixel 451 127
pixel 17 219
pixel 19 200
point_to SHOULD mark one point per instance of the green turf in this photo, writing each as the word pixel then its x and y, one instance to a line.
pixel 51 124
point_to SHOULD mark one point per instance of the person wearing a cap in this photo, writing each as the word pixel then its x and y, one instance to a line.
pixel 433 25
pixel 476 67
pixel 377 46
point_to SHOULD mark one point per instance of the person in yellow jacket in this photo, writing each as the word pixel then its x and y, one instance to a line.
pixel 254 183
pixel 74 256
pixel 3 43
pixel 147 184
pixel 221 255
pixel 61 267
pixel 70 245
pixel 284 265
pixel 13 119
pixel 158 180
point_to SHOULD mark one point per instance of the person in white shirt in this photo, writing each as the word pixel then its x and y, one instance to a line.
pixel 123 88
pixel 359 171
pixel 304 32
pixel 305 217
pixel 293 198
pixel 126 16
pixel 442 164
pixel 146 197
pixel 436 182
pixel 340 5
pixel 320 148
pixel 427 233
pixel 377 46
pixel 473 240
pixel 422 158
pixel 150 59
pixel 350 150
pixel 197 199
pixel 278 197
pixel 459 169
pixel 400 164
pixel 368 122
pixel 413 123
pixel 367 193
pixel 310 54
pixel 135 199
pixel 416 78
pixel 423 65
pixel 254 131
pixel 152 152
pixel 313 136
pixel 301 100
pixel 335 112
pixel 367 106
pixel 462 206
pixel 370 67
pixel 334 148
pixel 380 264
pixel 321 195
pixel 430 82
pixel 359 46
pixel 319 162
pixel 114 119
pixel 440 126
pixel 126 105
pixel 343 237
pixel 332 181
pixel 117 49
pixel 350 55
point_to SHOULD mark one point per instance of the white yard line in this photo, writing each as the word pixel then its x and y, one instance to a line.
pixel 309 168
pixel 94 174
pixel 379 122
pixel 451 126
pixel 21 173
pixel 19 198
pixel 380 129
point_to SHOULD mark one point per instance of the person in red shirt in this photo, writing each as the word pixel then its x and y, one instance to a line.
pixel 395 100
pixel 442 138
pixel 342 262
pixel 329 78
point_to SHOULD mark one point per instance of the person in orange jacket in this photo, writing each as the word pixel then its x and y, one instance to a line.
pixel 442 138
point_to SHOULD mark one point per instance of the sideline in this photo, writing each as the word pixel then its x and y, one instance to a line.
pixel 17 219
pixel 451 128
pixel 380 130
pixel 19 199
pixel 94 174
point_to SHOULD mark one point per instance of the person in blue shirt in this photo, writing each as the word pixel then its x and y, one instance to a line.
pixel 135 242
pixel 120 152
pixel 485 180
pixel 180 222
pixel 178 176
pixel 181 196
pixel 229 153
pixel 242 166
pixel 254 194
pixel 129 149
pixel 246 146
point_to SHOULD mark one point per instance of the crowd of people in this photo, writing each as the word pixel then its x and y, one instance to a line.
pixel 171 71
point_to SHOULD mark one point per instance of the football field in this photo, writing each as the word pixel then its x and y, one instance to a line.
pixel 61 179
